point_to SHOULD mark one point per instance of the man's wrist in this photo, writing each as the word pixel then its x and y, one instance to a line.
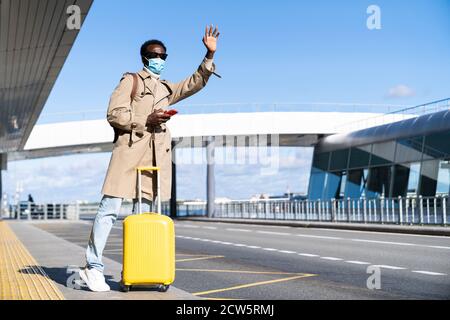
pixel 210 54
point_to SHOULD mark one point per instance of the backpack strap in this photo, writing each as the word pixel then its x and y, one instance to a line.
pixel 132 96
pixel 135 84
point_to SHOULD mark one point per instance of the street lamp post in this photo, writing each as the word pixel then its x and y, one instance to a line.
pixel 210 177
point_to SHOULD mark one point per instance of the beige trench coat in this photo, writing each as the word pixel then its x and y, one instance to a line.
pixel 144 147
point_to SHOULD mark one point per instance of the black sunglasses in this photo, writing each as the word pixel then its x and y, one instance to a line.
pixel 154 55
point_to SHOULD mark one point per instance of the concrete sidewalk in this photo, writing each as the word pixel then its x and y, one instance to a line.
pixel 421 230
pixel 56 256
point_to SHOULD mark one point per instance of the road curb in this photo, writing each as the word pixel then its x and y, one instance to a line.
pixel 421 230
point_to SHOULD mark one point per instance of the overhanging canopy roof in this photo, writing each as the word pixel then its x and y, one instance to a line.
pixel 423 125
pixel 34 44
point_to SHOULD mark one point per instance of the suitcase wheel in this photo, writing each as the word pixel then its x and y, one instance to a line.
pixel 124 288
pixel 163 288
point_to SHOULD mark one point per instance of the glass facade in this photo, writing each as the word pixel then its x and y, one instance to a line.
pixel 404 167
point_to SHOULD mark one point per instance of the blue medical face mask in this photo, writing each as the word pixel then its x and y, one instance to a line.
pixel 156 65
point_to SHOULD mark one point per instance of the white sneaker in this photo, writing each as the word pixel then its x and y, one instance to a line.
pixel 95 280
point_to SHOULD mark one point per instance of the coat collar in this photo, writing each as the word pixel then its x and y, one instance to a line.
pixel 159 90
pixel 145 74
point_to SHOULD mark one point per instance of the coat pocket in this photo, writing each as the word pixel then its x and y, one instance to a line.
pixel 123 140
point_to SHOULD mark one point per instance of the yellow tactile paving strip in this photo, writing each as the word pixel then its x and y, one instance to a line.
pixel 20 276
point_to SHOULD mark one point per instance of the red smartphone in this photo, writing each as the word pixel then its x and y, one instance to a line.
pixel 171 112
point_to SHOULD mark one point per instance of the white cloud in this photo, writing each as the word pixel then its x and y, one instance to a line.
pixel 64 179
pixel 401 91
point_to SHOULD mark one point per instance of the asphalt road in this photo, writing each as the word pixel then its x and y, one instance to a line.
pixel 232 261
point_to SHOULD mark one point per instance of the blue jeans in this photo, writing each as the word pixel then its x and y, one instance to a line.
pixel 107 214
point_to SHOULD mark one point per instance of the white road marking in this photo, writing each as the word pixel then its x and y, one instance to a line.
pixel 386 233
pixel 305 255
pixel 266 226
pixel 382 266
pixel 357 262
pixel 440 247
pixel 308 255
pixel 210 228
pixel 347 231
pixel 383 242
pixel 406 244
pixel 317 237
pixel 429 273
pixel 274 233
pixel 336 238
pixel 238 230
pixel 357 231
pixel 188 226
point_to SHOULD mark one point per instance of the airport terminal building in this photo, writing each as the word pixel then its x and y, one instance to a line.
pixel 410 158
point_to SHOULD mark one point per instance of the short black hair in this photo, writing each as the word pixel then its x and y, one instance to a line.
pixel 150 42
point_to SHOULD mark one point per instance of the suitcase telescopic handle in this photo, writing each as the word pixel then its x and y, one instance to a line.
pixel 156 170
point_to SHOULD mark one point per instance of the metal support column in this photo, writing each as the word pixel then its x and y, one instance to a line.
pixel 173 198
pixel 210 178
pixel 3 166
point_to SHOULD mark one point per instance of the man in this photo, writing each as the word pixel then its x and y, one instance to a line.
pixel 142 140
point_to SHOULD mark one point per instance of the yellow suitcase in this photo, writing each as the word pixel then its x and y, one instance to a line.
pixel 148 246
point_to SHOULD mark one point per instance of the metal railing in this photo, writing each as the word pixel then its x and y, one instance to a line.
pixel 397 115
pixel 89 210
pixel 32 211
pixel 96 113
pixel 399 211
pixel 58 211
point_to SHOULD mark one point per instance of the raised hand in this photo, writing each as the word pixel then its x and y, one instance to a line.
pixel 210 39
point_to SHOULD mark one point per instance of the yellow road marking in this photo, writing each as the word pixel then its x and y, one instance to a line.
pixel 191 255
pixel 238 271
pixel 253 284
pixel 201 258
pixel 20 277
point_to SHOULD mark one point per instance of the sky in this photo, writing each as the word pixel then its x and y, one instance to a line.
pixel 269 52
